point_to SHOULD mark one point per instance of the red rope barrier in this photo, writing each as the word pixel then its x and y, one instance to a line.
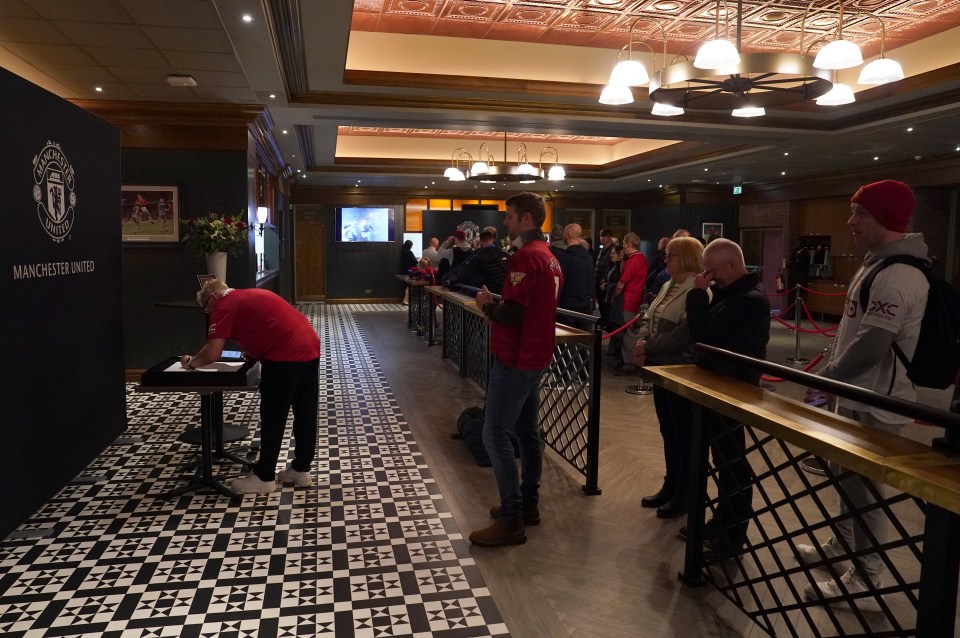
pixel 813 323
pixel 782 293
pixel 807 368
pixel 824 294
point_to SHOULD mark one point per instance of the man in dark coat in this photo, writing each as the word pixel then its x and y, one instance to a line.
pixel 736 318
pixel 578 277
pixel 607 242
pixel 485 266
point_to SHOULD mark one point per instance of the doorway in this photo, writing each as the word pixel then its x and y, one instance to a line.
pixel 763 253
pixel 309 234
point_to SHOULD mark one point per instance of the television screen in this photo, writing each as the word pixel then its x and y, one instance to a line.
pixel 417 239
pixel 366 224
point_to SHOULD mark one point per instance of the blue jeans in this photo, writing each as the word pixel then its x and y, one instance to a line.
pixel 513 401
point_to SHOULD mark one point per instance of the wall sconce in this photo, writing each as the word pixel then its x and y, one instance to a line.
pixel 262 214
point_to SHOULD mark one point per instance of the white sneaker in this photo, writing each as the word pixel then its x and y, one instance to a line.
pixel 299 479
pixel 807 554
pixel 852 584
pixel 251 484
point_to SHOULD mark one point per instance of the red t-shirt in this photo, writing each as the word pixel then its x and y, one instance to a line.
pixel 265 325
pixel 534 280
pixel 633 272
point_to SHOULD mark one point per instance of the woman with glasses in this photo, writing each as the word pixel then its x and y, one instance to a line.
pixel 664 340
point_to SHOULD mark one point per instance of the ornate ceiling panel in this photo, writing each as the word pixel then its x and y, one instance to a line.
pixel 766 26
pixel 542 138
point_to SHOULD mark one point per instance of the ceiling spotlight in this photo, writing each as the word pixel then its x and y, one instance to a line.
pixel 786 152
pixel 284 131
pixel 273 96
pixel 247 17
pixel 98 89
pixel 783 172
pixel 909 129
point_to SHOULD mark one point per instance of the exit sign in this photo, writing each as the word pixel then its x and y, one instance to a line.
pixel 737 190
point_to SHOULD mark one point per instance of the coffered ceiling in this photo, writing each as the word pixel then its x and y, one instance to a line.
pixel 383 91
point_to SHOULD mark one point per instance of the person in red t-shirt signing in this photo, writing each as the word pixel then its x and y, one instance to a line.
pixel 522 338
pixel 633 273
pixel 288 348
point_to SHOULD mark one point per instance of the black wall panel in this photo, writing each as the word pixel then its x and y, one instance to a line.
pixel 209 181
pixel 362 270
pixel 60 279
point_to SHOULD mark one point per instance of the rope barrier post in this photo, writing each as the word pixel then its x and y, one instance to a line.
pixel 798 308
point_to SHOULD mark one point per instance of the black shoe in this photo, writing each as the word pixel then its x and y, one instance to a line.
pixel 674 508
pixel 715 549
pixel 707 532
pixel 664 496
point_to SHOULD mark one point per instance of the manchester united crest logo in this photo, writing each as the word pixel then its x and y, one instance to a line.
pixel 53 191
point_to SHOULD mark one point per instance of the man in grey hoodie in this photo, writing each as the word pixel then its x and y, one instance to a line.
pixel 863 356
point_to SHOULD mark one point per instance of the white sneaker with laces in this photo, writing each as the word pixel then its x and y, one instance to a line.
pixel 251 484
pixel 807 554
pixel 299 479
pixel 852 584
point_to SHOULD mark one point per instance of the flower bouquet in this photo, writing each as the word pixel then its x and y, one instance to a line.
pixel 215 233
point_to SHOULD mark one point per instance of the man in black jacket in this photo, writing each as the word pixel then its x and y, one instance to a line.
pixel 578 277
pixel 736 318
pixel 486 266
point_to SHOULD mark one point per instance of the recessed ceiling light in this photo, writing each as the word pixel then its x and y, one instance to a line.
pixel 298 170
pixel 786 152
pixel 247 17
pixel 433 182
pixel 273 95
pixel 293 156
pixel 876 157
pixel 648 179
pixel 909 129
pixel 705 170
pixel 783 172
pixel 98 89
pixel 181 80
pixel 284 131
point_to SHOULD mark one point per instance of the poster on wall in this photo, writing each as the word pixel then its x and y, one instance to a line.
pixel 618 221
pixel 710 231
pixel 150 213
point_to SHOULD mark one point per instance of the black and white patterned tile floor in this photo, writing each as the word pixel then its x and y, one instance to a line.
pixel 370 551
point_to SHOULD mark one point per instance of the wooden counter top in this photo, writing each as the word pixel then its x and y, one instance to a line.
pixel 902 463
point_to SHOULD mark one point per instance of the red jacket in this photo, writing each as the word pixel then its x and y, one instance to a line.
pixel 633 272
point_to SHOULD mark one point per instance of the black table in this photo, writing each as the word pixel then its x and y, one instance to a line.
pixel 210 387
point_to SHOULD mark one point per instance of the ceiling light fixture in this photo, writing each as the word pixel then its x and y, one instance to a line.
pixel 181 80
pixel 485 169
pixel 838 95
pixel 882 70
pixel 719 53
pixel 840 53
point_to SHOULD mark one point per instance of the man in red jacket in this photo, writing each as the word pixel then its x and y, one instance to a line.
pixel 633 274
pixel 288 348
pixel 522 338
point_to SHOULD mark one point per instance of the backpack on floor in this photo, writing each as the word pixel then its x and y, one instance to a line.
pixel 936 361
pixel 470 429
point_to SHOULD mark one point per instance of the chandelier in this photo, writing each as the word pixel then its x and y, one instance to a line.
pixel 485 169
pixel 722 77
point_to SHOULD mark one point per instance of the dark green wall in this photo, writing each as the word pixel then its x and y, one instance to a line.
pixel 652 222
pixel 209 181
pixel 354 268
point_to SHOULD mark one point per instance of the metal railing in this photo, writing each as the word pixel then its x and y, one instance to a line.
pixel 763 506
pixel 569 389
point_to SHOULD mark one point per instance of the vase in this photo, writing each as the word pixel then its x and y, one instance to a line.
pixel 217 265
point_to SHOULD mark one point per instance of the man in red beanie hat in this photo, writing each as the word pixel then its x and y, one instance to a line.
pixel 863 356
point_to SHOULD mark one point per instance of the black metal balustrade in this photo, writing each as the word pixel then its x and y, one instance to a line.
pixel 570 388
pixel 915 489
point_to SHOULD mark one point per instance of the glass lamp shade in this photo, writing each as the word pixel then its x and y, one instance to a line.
pixel 749 111
pixel 717 54
pixel 839 94
pixel 665 110
pixel 881 71
pixel 629 73
pixel 456 176
pixel 479 168
pixel 556 173
pixel 839 54
pixel 616 94
pixel 526 169
pixel 262 214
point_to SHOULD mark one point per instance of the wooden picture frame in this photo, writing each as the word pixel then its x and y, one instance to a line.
pixel 711 230
pixel 149 213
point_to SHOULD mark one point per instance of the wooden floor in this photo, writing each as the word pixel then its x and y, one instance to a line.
pixel 598 565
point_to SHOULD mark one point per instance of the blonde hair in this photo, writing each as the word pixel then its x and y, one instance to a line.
pixel 689 253
pixel 212 287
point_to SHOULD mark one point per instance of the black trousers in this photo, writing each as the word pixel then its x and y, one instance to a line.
pixel 285 385
pixel 734 478
pixel 675 414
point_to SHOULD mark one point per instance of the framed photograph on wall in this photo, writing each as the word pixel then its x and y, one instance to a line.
pixel 711 230
pixel 150 213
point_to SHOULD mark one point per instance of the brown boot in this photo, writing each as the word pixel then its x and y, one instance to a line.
pixel 500 533
pixel 530 516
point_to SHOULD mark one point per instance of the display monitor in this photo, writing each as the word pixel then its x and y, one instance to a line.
pixel 365 224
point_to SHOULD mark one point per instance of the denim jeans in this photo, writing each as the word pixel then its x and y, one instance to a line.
pixel 513 401
pixel 285 385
